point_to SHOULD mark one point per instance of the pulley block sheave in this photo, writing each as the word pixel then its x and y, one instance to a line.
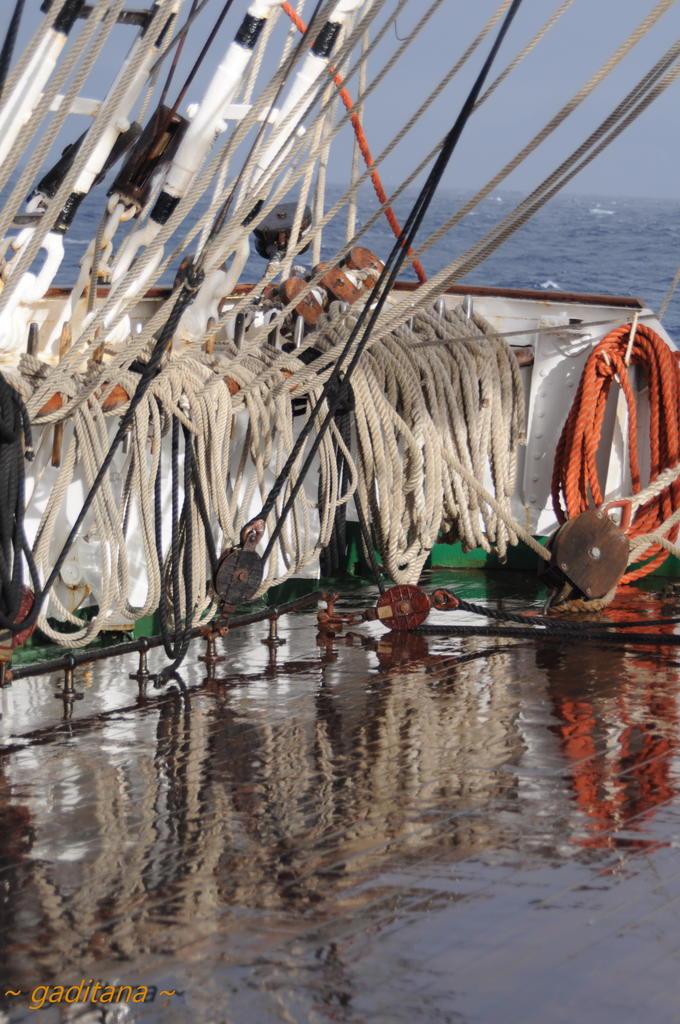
pixel 403 607
pixel 237 576
pixel 588 555
pixel 239 571
pixel 10 641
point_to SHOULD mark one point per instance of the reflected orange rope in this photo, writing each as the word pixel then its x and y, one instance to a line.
pixel 575 478
pixel 362 142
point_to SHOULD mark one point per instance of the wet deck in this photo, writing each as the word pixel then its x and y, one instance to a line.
pixel 460 830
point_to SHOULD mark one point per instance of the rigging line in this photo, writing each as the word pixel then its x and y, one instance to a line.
pixel 606 133
pixel 361 143
pixel 566 110
pixel 220 218
pixel 377 297
pixel 282 189
pixel 10 43
pixel 201 57
pixel 85 42
pixel 669 294
pixel 552 20
pixel 385 207
pixel 175 60
pixel 185 27
pixel 481 250
pixel 235 139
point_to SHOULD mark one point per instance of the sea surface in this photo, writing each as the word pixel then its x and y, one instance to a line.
pixel 608 245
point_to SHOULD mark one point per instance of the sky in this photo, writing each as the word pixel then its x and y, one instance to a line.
pixel 643 161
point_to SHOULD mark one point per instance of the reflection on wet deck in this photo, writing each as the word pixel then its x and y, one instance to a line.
pixel 375 829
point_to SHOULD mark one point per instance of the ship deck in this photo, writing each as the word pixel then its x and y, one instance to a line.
pixel 371 828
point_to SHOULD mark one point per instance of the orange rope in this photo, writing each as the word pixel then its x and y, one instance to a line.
pixel 575 483
pixel 362 143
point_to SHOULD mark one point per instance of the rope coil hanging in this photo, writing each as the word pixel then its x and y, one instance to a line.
pixel 576 484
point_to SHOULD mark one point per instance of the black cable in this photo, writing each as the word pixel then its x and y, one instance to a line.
pixel 200 501
pixel 15 446
pixel 554 624
pixel 176 640
pixel 374 303
pixel 652 640
pixel 10 42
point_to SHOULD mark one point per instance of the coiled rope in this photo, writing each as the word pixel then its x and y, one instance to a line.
pixel 576 484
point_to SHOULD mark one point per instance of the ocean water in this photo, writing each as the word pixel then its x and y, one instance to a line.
pixel 608 245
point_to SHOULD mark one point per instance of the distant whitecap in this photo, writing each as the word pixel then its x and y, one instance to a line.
pixel 549 284
pixel 601 210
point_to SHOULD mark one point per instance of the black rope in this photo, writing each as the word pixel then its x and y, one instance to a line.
pixel 368 543
pixel 202 55
pixel 332 559
pixel 200 500
pixel 601 636
pixel 15 445
pixel 373 305
pixel 10 42
pixel 176 640
pixel 554 624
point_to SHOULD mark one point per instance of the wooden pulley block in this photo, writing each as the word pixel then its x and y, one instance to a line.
pixel 237 576
pixel 10 641
pixel 403 607
pixel 270 294
pixel 361 258
pixel 25 606
pixel 309 307
pixel 588 554
pixel 339 285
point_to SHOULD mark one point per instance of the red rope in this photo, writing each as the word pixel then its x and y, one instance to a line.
pixel 575 484
pixel 362 143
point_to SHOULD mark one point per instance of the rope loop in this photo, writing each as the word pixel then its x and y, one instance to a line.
pixel 576 484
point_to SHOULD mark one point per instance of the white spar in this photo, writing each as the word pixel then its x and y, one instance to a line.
pixel 32 287
pixel 206 124
pixel 19 105
pixel 301 93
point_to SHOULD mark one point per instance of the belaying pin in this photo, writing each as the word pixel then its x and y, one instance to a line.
pixel 211 658
pixel 274 640
pixel 142 675
pixel 69 694
pixel 298 331
pixel 239 329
